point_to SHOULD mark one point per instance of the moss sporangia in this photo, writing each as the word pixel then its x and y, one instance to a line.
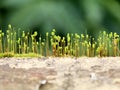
pixel 23 44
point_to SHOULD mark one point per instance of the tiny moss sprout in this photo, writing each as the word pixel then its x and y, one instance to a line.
pixel 18 43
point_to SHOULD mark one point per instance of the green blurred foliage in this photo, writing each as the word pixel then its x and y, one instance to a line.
pixel 79 16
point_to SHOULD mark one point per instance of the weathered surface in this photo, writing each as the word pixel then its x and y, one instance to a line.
pixel 60 73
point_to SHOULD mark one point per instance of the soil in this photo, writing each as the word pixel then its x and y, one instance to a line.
pixel 60 73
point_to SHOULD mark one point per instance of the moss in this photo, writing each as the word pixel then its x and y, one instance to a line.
pixel 6 55
pixel 23 44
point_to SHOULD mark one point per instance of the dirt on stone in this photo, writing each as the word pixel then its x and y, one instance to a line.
pixel 60 73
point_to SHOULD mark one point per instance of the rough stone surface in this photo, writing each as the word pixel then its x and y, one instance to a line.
pixel 60 73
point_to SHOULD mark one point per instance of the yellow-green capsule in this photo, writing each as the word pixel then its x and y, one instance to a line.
pixel 9 26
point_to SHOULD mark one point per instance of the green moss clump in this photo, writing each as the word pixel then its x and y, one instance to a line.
pixel 23 44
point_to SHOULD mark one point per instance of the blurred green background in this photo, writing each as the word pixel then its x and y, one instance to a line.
pixel 81 16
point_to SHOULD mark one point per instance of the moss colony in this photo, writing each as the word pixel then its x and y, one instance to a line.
pixel 24 44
